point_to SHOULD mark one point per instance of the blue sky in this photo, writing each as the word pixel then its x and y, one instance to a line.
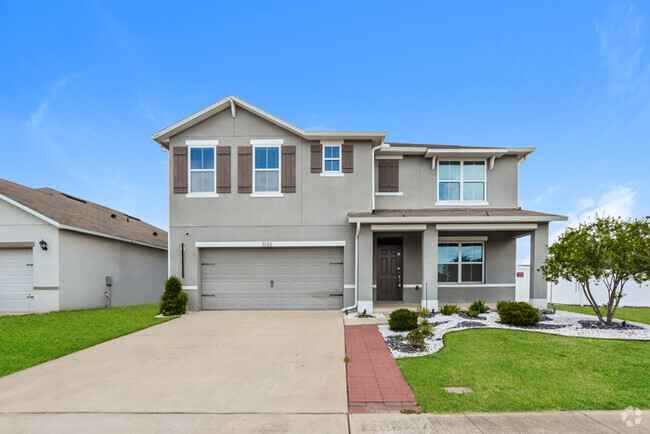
pixel 84 85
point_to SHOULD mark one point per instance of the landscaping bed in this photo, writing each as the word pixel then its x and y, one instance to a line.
pixel 28 340
pixel 558 323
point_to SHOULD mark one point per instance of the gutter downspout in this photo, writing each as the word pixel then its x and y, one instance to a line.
pixel 373 172
pixel 521 160
pixel 356 270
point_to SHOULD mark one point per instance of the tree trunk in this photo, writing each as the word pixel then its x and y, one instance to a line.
pixel 590 298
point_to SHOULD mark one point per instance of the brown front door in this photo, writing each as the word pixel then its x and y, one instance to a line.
pixel 389 272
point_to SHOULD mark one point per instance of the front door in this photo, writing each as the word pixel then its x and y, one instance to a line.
pixel 389 272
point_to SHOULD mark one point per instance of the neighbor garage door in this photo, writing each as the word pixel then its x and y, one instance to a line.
pixel 16 280
pixel 272 278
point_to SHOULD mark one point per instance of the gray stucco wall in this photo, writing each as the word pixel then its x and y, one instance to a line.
pixel 138 272
pixel 418 183
pixel 316 212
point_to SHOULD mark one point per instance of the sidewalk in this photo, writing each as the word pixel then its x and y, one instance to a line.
pixel 545 422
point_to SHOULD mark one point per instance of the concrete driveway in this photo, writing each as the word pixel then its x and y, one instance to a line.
pixel 220 371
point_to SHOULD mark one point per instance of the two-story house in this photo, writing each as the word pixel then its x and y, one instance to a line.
pixel 265 215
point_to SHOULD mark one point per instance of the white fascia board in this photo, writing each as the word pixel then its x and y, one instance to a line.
pixel 398 228
pixel 29 210
pixel 488 227
pixel 99 234
pixel 267 244
pixel 459 219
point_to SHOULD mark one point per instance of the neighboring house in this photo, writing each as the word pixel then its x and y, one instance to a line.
pixel 56 251
pixel 265 215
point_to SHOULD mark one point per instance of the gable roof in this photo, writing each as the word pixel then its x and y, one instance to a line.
pixel 231 102
pixel 71 213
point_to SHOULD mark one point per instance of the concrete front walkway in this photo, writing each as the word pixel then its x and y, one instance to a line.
pixel 243 370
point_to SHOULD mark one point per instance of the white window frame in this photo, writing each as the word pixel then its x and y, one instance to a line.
pixel 462 181
pixel 339 159
pixel 460 263
pixel 201 144
pixel 268 143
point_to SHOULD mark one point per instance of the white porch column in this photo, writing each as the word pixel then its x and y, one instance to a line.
pixel 365 270
pixel 430 267
pixel 538 251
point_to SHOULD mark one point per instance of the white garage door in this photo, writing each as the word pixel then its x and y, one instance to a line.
pixel 16 280
pixel 272 278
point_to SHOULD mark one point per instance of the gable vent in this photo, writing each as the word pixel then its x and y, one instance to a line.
pixel 74 198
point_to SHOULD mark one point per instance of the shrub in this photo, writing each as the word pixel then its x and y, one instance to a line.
pixel 415 338
pixel 519 314
pixel 424 311
pixel 174 300
pixel 479 306
pixel 473 313
pixel 426 329
pixel 448 309
pixel 501 303
pixel 403 319
pixel 363 314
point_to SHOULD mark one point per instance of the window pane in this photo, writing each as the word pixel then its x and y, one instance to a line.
pixel 449 191
pixel 335 152
pixel 474 170
pixel 202 182
pixel 472 273
pixel 447 272
pixel 332 165
pixel 260 158
pixel 336 165
pixel 208 158
pixel 449 170
pixel 473 191
pixel 447 253
pixel 273 158
pixel 472 252
pixel 267 181
pixel 195 158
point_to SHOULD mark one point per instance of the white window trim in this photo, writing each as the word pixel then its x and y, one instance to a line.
pixel 268 143
pixel 339 159
pixel 389 193
pixel 460 263
pixel 201 144
pixel 461 181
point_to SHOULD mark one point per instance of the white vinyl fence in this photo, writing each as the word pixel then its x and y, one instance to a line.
pixel 566 292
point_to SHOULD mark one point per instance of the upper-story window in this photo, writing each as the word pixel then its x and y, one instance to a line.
pixel 461 181
pixel 332 159
pixel 202 169
pixel 266 176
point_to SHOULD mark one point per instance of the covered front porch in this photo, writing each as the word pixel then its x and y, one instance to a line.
pixel 432 260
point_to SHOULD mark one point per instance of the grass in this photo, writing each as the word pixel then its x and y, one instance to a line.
pixel 637 314
pixel 513 371
pixel 28 340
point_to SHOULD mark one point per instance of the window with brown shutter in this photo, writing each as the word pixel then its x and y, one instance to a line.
pixel 316 158
pixel 180 169
pixel 288 169
pixel 348 158
pixel 223 169
pixel 245 169
pixel 388 175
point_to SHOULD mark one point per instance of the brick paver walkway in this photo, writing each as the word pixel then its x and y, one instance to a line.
pixel 375 383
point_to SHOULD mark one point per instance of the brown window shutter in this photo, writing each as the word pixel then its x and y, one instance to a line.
pixel 288 169
pixel 388 175
pixel 347 163
pixel 245 169
pixel 316 158
pixel 180 169
pixel 223 169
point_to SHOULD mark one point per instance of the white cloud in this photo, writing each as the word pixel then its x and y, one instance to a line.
pixel 619 201
pixel 36 117
pixel 549 192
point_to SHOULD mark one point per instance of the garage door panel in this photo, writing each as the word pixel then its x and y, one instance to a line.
pixel 288 278
pixel 16 280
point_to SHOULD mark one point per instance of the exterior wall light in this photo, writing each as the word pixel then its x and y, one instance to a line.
pixel 43 244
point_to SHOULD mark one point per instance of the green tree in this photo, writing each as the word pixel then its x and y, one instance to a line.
pixel 611 250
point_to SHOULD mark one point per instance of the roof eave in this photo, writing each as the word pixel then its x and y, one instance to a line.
pixel 457 219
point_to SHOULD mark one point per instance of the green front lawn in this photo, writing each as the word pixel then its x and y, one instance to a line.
pixel 637 314
pixel 28 340
pixel 513 371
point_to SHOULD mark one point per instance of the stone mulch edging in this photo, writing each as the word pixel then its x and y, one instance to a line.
pixel 557 323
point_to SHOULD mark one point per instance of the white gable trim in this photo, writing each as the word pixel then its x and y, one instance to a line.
pixel 29 210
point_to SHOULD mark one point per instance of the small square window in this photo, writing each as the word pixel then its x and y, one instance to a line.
pixel 332 159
